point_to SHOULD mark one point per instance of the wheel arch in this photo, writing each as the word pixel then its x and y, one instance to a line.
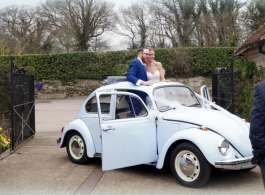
pixel 196 137
pixel 171 148
pixel 79 126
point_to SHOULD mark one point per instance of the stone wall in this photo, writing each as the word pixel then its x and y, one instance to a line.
pixel 254 55
pixel 196 82
pixel 54 89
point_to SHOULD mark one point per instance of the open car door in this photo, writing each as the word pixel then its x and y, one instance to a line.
pixel 126 141
pixel 205 94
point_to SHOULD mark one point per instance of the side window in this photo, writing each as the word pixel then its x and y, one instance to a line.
pixel 129 107
pixel 105 103
pixel 91 105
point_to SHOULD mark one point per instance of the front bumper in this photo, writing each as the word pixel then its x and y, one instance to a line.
pixel 235 163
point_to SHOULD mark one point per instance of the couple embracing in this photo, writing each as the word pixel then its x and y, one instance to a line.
pixel 144 70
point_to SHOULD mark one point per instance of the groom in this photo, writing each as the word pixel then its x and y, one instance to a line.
pixel 257 127
pixel 137 75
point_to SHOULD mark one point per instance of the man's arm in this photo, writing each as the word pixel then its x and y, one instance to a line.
pixel 132 72
pixel 257 124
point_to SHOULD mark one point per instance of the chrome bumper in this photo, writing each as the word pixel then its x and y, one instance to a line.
pixel 234 163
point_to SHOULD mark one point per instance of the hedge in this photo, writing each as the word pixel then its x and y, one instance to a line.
pixel 5 88
pixel 97 65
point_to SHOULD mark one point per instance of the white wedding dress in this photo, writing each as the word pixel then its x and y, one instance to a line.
pixel 155 78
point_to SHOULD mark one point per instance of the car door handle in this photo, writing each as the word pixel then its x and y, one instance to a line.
pixel 108 129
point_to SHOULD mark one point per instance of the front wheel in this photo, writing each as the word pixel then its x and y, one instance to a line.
pixel 76 148
pixel 189 166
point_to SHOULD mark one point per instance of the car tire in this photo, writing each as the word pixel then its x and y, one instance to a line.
pixel 76 148
pixel 189 166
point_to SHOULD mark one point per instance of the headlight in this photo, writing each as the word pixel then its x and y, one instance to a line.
pixel 223 146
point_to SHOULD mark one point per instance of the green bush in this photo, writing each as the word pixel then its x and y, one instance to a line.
pixel 5 89
pixel 247 76
pixel 184 62
pixel 30 70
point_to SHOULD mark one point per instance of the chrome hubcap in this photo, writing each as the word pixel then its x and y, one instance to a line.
pixel 77 147
pixel 187 165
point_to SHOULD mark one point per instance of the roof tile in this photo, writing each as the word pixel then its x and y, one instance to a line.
pixel 255 37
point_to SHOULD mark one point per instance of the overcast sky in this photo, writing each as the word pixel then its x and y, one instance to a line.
pixel 4 3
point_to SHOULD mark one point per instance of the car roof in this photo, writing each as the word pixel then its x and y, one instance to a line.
pixel 125 85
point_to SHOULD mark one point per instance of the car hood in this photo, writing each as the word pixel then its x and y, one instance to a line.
pixel 231 127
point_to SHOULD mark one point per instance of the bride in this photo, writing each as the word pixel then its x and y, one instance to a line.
pixel 155 72
pixel 154 69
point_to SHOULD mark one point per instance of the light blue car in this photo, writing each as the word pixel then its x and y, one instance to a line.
pixel 175 126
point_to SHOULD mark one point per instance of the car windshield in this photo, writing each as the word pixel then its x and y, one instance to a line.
pixel 170 97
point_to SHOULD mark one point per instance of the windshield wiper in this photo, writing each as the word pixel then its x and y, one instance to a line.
pixel 195 105
pixel 166 108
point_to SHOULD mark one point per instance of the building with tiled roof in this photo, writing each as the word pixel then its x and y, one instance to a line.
pixel 254 48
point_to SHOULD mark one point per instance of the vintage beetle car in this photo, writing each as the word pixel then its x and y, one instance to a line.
pixel 181 128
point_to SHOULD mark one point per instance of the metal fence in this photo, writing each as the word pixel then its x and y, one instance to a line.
pixel 22 104
pixel 223 87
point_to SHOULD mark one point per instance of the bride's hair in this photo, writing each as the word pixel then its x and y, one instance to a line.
pixel 151 49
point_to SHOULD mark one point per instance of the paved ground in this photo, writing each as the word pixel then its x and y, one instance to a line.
pixel 39 166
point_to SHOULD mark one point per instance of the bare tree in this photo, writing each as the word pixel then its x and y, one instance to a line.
pixel 5 47
pixel 27 27
pixel 134 24
pixel 178 17
pixel 225 15
pixel 157 34
pixel 64 37
pixel 254 15
pixel 204 30
pixel 80 21
pixel 199 22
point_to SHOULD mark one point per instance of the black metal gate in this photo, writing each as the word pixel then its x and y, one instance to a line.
pixel 22 105
pixel 223 87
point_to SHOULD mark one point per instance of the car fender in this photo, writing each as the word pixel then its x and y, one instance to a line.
pixel 206 141
pixel 79 126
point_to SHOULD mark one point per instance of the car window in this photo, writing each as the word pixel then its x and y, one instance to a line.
pixel 174 96
pixel 129 107
pixel 91 105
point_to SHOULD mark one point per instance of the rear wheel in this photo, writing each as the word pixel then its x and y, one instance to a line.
pixel 189 166
pixel 76 148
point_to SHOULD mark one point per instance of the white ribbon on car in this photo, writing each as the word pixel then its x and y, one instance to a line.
pixel 152 113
